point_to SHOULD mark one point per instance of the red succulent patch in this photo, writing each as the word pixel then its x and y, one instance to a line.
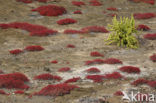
pixel 16 51
pixel 153 57
pixel 95 3
pixel 118 93
pixel 56 90
pixel 143 27
pixel 71 31
pixel 50 10
pixel 70 46
pixel 130 69
pixel 35 30
pixel 72 80
pixel 95 29
pixel 112 14
pixel 19 92
pixel 65 69
pixel 150 36
pixel 112 61
pixel 34 48
pixel 3 92
pixel 145 1
pixel 95 61
pixel 93 70
pixel 42 1
pixel 114 75
pixel 152 84
pixel 77 12
pixel 54 61
pixel 66 21
pixel 13 80
pixel 78 3
pixel 25 1
pixel 139 81
pixel 48 76
pixel 95 78
pixel 96 54
pixel 112 9
pixel 144 15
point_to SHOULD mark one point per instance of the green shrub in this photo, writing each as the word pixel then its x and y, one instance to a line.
pixel 123 33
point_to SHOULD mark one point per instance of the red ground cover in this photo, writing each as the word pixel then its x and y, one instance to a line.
pixel 72 80
pixel 153 57
pixel 64 69
pixel 13 80
pixel 144 15
pixel 66 21
pixel 96 54
pixel 150 36
pixel 93 70
pixel 34 48
pixel 16 51
pixel 47 76
pixel 50 10
pixel 78 3
pixel 56 90
pixel 130 69
pixel 143 27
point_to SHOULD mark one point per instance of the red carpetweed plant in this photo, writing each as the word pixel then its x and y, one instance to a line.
pixel 47 76
pixel 144 15
pixel 78 3
pixel 143 27
pixel 13 80
pixel 145 1
pixel 71 31
pixel 66 21
pixel 42 1
pixel 70 46
pixel 112 14
pixel 118 93
pixel 25 1
pixel 95 3
pixel 72 80
pixel 16 51
pixel 95 61
pixel 112 9
pixel 19 92
pixel 77 12
pixel 96 54
pixel 112 61
pixel 35 30
pixel 54 61
pixel 44 32
pixel 95 29
pixel 150 36
pixel 65 69
pixel 130 69
pixel 3 92
pixel 114 75
pixel 50 10
pixel 56 90
pixel 152 84
pixel 34 48
pixel 4 26
pixel 95 78
pixel 139 81
pixel 93 70
pixel 153 57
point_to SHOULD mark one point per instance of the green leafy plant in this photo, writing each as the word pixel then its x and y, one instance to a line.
pixel 123 33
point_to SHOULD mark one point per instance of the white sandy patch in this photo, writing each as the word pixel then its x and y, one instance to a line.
pixel 104 68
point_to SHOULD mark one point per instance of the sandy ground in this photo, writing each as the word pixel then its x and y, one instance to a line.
pixel 32 63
